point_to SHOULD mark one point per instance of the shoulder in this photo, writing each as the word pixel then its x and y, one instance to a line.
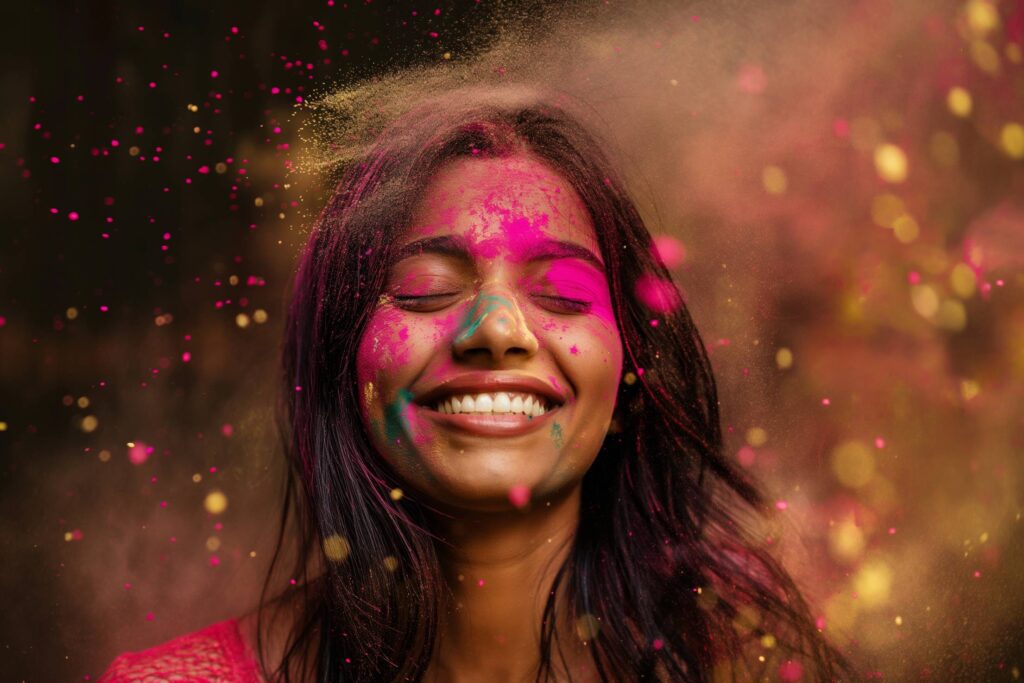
pixel 216 653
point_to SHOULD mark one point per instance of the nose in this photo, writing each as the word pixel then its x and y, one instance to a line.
pixel 494 325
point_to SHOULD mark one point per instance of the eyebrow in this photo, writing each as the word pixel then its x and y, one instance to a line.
pixel 455 246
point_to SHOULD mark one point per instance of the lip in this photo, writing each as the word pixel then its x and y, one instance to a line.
pixel 488 383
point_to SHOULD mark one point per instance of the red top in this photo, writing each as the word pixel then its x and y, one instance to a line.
pixel 215 654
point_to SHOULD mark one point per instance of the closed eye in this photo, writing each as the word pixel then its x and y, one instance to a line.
pixel 571 305
pixel 418 301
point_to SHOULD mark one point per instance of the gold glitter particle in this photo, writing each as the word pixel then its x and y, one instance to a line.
pixel 845 542
pixel 89 424
pixel 252 553
pixel 925 300
pixel 193 108
pixel 898 620
pixel 71 313
pixel 885 209
pixel 396 494
pixel 1012 140
pixel 133 151
pixel 3 426
pixel 68 536
pixel 233 280
pixel 587 627
pixel 756 436
pixel 873 583
pixel 963 280
pixel 969 389
pixel 768 641
pixel 959 102
pixel 985 56
pixel 774 180
pixel 336 548
pixel 83 401
pixel 104 455
pixel 220 167
pixel 213 544
pixel 784 358
pixel 853 463
pixel 259 316
pixel 906 229
pixel 447 55
pixel 196 478
pixel 982 16
pixel 391 563
pixel 629 378
pixel 891 163
pixel 242 320
pixel 215 502
pixel 258 201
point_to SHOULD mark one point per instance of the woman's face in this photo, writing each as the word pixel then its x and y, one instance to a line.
pixel 489 372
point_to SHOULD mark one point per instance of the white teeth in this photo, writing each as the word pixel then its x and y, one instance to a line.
pixel 502 403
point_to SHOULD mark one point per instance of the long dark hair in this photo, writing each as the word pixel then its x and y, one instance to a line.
pixel 668 570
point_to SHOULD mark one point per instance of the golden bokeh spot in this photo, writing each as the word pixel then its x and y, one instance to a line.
pixel 952 315
pixel 259 316
pixel 925 300
pixel 886 208
pixel 252 553
pixel 774 180
pixel 768 641
pixel 396 494
pixel 391 563
pixel 756 436
pixel 1012 140
pixel 746 620
pixel 853 463
pixel 944 149
pixel 89 424
pixel 906 229
pixel 196 478
pixel 233 280
pixel 982 16
pixel 891 163
pixel 846 542
pixel 258 201
pixel 629 378
pixel 215 502
pixel 983 538
pixel 68 536
pixel 212 544
pixel 193 108
pixel 336 548
pixel 969 388
pixel 587 627
pixel 3 426
pixel 104 455
pixel 83 402
pixel 963 280
pixel 707 598
pixel 898 620
pixel 447 55
pixel 71 313
pixel 220 167
pixel 242 320
pixel 873 583
pixel 841 612
pixel 959 101
pixel 1013 53
pixel 133 151
pixel 784 358
pixel 880 495
pixel 984 56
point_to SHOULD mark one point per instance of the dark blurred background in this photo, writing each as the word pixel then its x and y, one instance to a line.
pixel 838 187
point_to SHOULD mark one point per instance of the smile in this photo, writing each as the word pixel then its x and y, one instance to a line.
pixel 498 403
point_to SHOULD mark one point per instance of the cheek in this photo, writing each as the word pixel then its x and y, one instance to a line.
pixel 591 352
pixel 384 351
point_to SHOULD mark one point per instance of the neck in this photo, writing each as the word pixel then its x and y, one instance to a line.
pixel 501 569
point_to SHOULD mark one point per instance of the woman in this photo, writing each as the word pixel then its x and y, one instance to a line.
pixel 503 435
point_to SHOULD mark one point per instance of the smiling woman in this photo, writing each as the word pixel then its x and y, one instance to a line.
pixel 504 464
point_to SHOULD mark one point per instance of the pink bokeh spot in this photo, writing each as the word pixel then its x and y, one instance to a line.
pixel 657 294
pixel 519 495
pixel 791 671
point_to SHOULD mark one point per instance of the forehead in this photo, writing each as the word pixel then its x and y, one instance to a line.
pixel 502 205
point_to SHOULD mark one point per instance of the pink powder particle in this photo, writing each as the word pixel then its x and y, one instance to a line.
pixel 781 505
pixel 186 357
pixel 519 495
pixel 480 582
pixel 138 454
pixel 3 321
pixel 150 616
pixel 204 169
pixel 791 671
pixel 214 560
pixel 54 160
pixel 747 456
pixel 227 430
pixel 826 402
pixel 658 644
pixel 879 442
pixel 72 215
pixel 214 74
